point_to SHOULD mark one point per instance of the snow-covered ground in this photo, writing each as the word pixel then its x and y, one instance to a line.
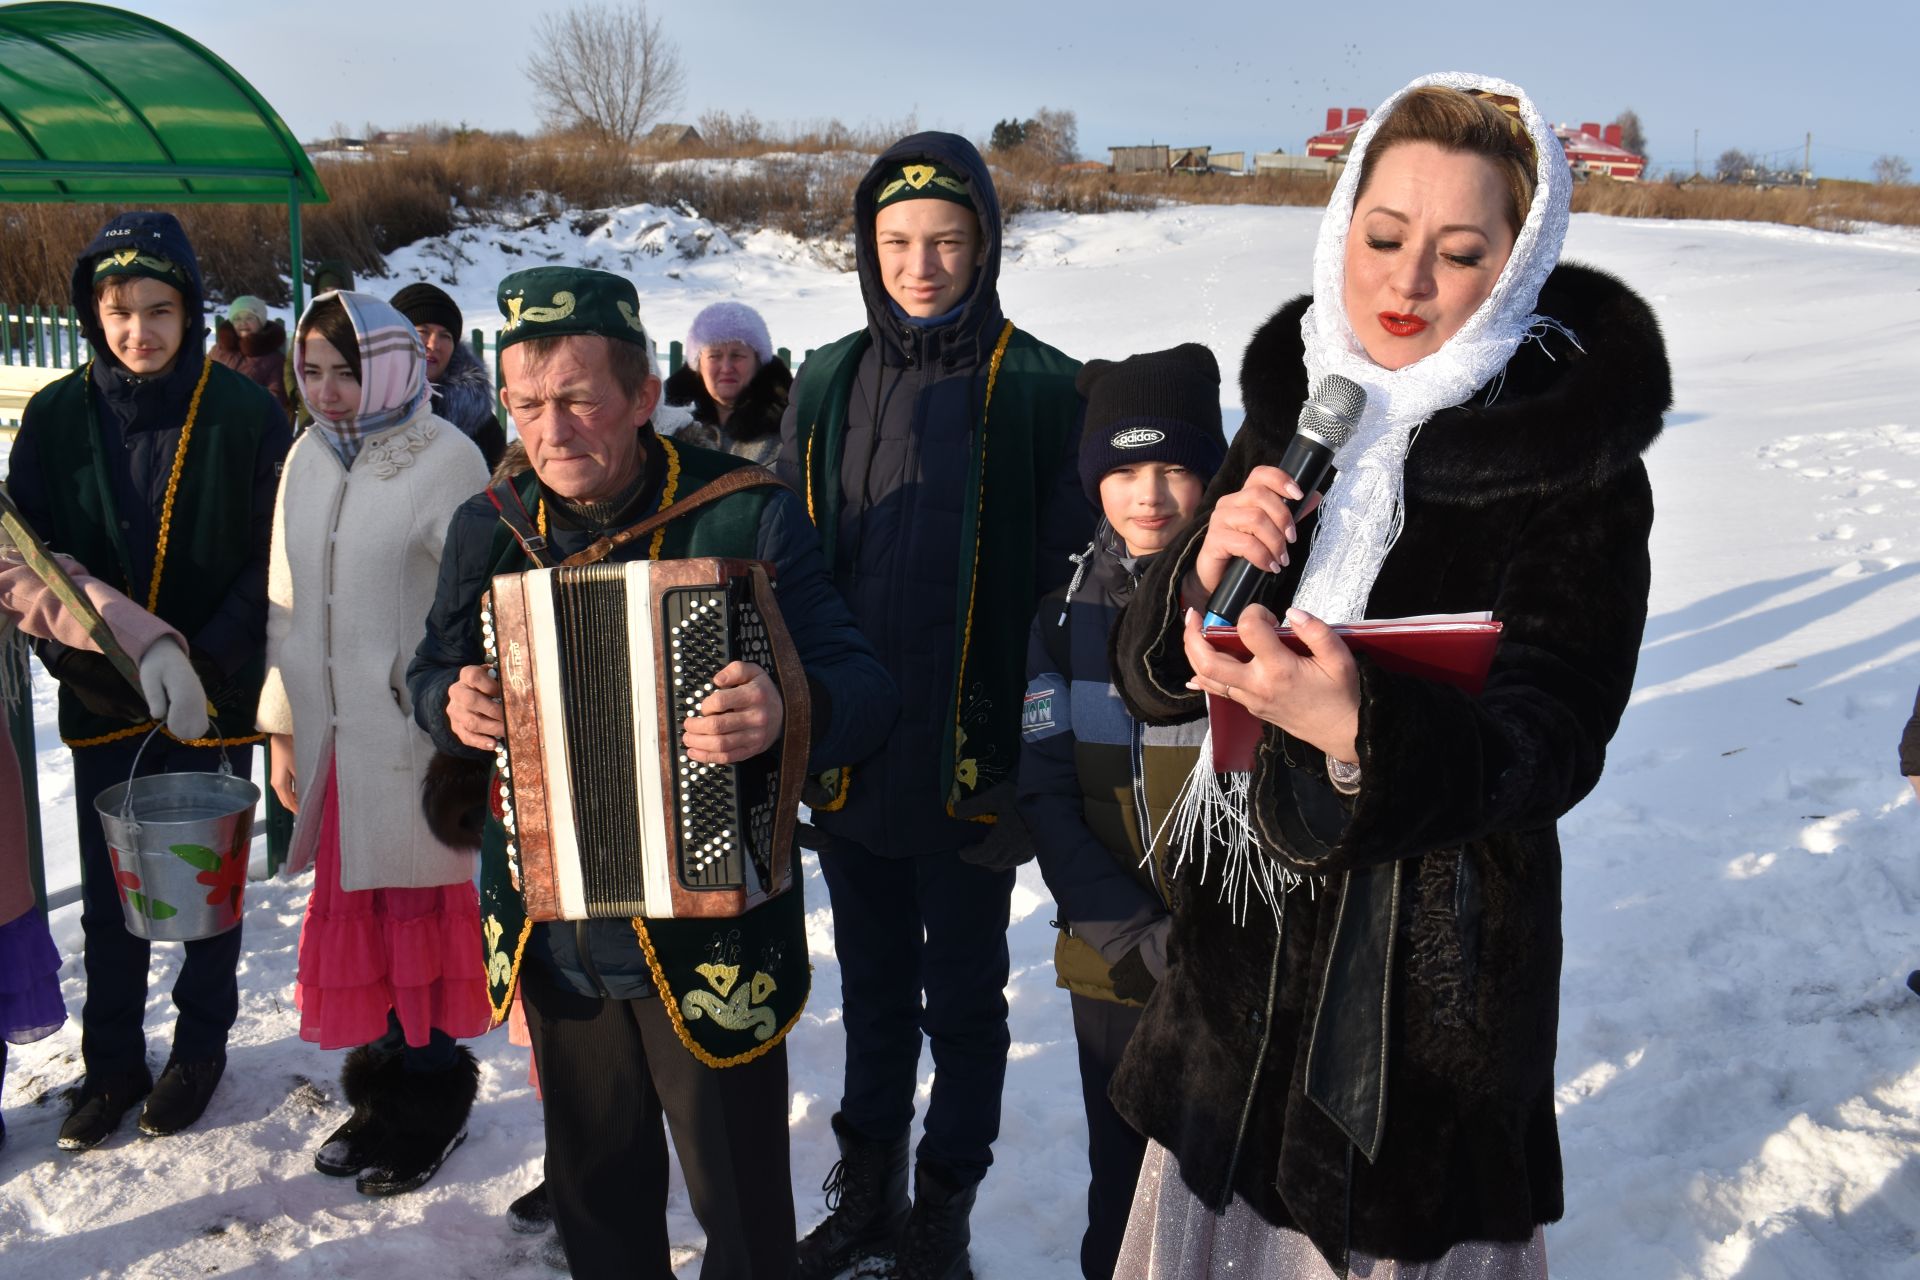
pixel 1739 1060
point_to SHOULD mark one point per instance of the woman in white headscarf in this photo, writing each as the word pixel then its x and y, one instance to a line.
pixel 1350 1061
pixel 390 954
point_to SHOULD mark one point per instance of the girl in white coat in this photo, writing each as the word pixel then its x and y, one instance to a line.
pixel 390 956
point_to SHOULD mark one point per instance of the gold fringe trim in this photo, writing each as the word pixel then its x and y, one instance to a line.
pixel 808 469
pixel 973 573
pixel 667 496
pixel 173 489
pixel 133 731
pixel 839 800
pixel 672 1004
pixel 513 979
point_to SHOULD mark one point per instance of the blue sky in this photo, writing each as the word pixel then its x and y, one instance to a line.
pixel 1245 75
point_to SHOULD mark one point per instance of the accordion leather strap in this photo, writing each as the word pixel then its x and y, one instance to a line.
pixel 513 514
pixel 796 741
pixel 732 482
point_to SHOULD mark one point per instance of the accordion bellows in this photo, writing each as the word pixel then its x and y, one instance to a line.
pixel 599 666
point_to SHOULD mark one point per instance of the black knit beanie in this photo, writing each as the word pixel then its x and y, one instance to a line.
pixel 1163 406
pixel 426 304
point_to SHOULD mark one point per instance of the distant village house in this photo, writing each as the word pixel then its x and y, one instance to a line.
pixel 1592 149
pixel 670 137
pixel 1156 158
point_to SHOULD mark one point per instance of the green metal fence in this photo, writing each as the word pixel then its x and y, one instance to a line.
pixel 45 337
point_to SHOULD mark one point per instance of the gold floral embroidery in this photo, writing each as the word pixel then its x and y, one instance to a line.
pixel 722 976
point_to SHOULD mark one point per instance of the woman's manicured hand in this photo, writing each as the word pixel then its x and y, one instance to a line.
pixel 1316 698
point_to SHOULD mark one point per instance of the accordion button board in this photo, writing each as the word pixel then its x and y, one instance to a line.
pixel 606 813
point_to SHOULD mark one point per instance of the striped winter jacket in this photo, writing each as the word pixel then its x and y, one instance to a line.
pixel 1095 784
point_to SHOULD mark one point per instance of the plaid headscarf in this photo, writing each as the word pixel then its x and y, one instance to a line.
pixel 393 372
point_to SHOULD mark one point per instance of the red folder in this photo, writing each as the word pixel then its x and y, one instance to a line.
pixel 1455 649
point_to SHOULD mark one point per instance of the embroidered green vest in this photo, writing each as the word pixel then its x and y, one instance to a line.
pixel 1029 421
pixel 206 534
pixel 734 987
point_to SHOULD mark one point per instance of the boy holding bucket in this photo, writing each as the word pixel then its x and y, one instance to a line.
pixel 156 468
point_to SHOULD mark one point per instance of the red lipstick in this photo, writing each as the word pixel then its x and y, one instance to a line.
pixel 1401 326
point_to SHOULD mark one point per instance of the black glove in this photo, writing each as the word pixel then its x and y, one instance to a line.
pixel 1132 980
pixel 89 677
pixel 1008 843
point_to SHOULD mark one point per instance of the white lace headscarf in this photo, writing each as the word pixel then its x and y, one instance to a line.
pixel 1360 516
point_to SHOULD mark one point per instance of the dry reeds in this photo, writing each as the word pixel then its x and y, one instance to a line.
pixel 1831 206
pixel 799 180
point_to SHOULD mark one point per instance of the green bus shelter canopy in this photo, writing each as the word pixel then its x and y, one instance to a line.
pixel 98 105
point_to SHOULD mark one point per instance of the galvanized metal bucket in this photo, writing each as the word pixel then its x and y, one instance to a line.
pixel 179 844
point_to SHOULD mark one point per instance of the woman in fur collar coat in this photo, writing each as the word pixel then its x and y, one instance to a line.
pixel 389 954
pixel 734 384
pixel 249 343
pixel 1351 1057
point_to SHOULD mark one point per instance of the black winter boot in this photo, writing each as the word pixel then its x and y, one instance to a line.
pixel 98 1106
pixel 934 1245
pixel 181 1095
pixel 866 1202
pixel 422 1116
pixel 350 1148
pixel 532 1213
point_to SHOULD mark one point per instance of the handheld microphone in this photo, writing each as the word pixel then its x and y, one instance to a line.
pixel 1326 420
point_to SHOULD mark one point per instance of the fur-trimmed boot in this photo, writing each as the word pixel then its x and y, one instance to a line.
pixel 867 1203
pixel 351 1147
pixel 422 1116
pixel 934 1244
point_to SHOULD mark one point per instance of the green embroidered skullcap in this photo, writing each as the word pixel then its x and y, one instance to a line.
pixel 923 181
pixel 132 262
pixel 551 302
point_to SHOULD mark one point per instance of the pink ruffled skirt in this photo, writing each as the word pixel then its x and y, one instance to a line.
pixel 413 951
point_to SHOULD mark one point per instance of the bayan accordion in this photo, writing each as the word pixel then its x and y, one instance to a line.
pixel 605 814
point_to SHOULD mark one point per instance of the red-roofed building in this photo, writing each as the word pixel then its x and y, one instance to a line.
pixel 1591 148
pixel 1338 135
pixel 1595 149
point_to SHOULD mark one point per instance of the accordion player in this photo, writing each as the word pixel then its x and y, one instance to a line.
pixel 605 813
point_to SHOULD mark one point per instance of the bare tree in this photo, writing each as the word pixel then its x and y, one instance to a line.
pixel 1734 165
pixel 604 69
pixel 724 131
pixel 1892 171
pixel 1632 136
pixel 1053 134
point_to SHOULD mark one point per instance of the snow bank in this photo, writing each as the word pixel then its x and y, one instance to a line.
pixel 1739 1060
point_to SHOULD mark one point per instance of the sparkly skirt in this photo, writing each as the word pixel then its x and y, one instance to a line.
pixel 1171 1235
pixel 30 1003
pixel 363 952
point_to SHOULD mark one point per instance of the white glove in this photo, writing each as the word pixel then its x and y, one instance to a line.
pixel 174 692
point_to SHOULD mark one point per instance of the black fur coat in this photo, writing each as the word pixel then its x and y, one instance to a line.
pixel 1536 506
pixel 752 430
